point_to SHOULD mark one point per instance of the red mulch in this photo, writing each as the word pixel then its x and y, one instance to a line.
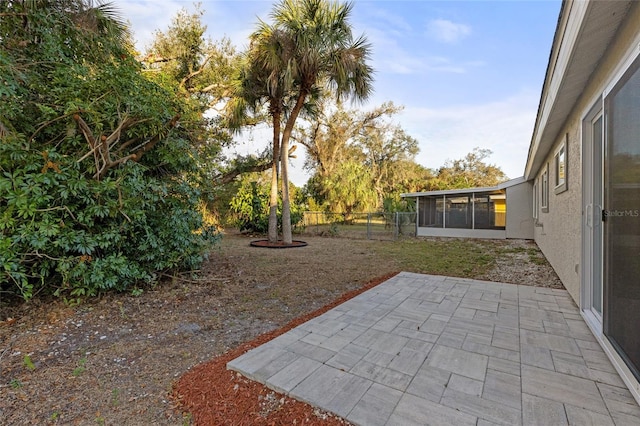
pixel 214 395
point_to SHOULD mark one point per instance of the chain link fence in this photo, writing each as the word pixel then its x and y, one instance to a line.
pixel 371 226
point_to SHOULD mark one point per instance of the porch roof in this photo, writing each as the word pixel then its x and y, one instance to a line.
pixel 501 186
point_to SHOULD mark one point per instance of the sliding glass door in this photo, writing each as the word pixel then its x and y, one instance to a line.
pixel 592 146
pixel 622 218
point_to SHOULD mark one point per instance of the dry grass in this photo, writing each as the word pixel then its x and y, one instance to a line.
pixel 114 360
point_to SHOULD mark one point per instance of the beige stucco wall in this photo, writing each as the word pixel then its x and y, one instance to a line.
pixel 558 232
pixel 519 208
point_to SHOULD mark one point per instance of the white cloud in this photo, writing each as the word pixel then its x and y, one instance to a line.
pixel 383 18
pixel 446 31
pixel 503 126
pixel 401 59
pixel 390 56
pixel 146 17
pixel 233 20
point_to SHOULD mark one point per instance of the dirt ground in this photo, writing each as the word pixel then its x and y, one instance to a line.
pixel 125 360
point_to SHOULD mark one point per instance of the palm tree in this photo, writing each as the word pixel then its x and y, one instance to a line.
pixel 90 16
pixel 264 79
pixel 316 50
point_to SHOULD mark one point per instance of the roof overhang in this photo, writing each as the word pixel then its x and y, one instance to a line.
pixel 584 32
pixel 499 187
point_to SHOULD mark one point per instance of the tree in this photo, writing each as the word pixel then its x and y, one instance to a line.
pixel 95 190
pixel 387 149
pixel 337 136
pixel 315 50
pixel 223 87
pixel 186 62
pixel 250 204
pixel 409 176
pixel 349 188
pixel 333 133
pixel 264 79
pixel 193 64
pixel 468 172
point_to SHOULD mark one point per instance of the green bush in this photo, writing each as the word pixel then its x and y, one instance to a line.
pixel 62 232
pixel 250 207
pixel 78 218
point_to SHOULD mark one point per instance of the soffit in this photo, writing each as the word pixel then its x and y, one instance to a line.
pixel 584 32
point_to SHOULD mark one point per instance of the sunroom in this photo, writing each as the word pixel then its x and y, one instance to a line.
pixel 502 211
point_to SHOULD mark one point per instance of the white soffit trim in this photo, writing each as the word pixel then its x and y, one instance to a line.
pixel 586 30
pixel 576 11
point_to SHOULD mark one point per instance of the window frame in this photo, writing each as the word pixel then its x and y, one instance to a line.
pixel 560 161
pixel 535 200
pixel 544 189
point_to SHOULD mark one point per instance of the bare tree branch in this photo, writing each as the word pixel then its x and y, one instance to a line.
pixel 100 147
pixel 263 165
pixel 197 72
pixel 128 143
pixel 91 140
pixel 231 175
pixel 154 140
pixel 3 130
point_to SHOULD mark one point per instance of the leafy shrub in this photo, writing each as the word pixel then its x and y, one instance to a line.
pixel 96 172
pixel 250 207
pixel 60 231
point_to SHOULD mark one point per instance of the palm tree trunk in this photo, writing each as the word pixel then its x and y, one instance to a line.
pixel 273 199
pixel 287 236
pixel 273 203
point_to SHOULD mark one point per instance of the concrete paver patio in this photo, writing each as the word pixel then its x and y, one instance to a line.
pixel 431 350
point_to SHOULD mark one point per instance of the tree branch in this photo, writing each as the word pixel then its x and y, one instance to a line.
pixel 231 175
pixel 225 93
pixel 154 140
pixel 101 147
pixel 152 60
pixel 86 131
pixel 3 130
pixel 195 73
pixel 114 137
pixel 88 135
pixel 128 144
pixel 261 166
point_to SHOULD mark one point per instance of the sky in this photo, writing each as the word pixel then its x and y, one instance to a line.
pixel 468 73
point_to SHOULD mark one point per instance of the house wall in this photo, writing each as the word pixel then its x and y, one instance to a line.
pixel 558 232
pixel 519 207
pixel 461 233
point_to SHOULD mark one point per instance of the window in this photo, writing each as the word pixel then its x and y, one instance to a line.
pixel 464 211
pixel 429 215
pixel 535 200
pixel 621 229
pixel 459 212
pixel 544 189
pixel 560 161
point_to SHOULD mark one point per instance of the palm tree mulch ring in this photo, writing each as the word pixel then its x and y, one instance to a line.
pixel 279 244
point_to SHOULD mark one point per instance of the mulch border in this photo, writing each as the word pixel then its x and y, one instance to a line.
pixel 277 245
pixel 212 395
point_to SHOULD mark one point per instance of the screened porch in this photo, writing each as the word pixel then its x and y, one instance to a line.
pixel 503 211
